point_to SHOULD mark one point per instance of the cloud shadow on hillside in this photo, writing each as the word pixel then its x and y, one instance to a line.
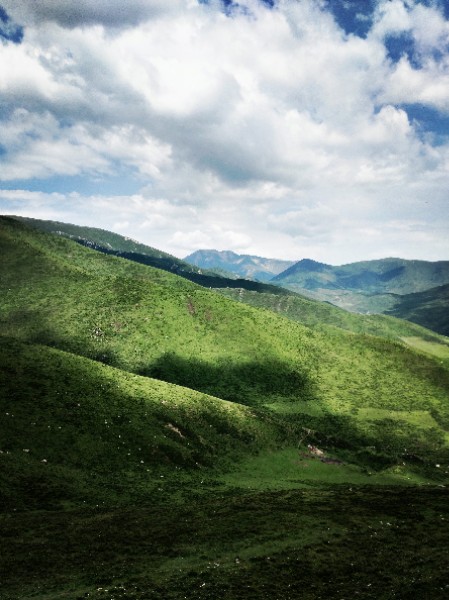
pixel 252 383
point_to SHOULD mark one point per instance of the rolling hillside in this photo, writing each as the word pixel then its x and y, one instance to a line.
pixel 149 322
pixel 315 313
pixel 182 444
pixel 220 279
pixel 114 244
pixel 77 430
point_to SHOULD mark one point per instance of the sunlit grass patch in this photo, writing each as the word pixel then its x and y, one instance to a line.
pixel 421 418
pixel 293 468
pixel 438 349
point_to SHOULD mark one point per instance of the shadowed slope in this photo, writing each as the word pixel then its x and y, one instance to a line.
pixel 75 430
pixel 429 308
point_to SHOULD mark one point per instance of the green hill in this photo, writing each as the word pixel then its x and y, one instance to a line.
pixel 78 431
pixel 314 313
pixel 149 322
pixel 154 441
pixel 114 244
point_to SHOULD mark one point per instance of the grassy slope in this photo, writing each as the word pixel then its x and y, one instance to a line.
pixel 117 245
pixel 315 314
pixel 102 238
pixel 373 403
pixel 77 431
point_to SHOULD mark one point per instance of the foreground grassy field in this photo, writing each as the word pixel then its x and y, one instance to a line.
pixel 120 486
pixel 161 441
pixel 339 542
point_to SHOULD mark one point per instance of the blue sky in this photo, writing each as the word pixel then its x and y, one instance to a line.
pixel 9 31
pixel 284 128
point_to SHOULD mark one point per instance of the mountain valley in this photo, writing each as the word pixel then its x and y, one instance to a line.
pixel 161 439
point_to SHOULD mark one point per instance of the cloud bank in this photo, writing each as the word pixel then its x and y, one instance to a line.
pixel 275 128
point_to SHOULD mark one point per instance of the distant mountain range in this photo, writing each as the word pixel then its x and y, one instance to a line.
pixel 388 275
pixel 243 265
pixel 408 289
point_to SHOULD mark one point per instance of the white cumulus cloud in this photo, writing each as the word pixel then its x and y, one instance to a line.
pixel 270 131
